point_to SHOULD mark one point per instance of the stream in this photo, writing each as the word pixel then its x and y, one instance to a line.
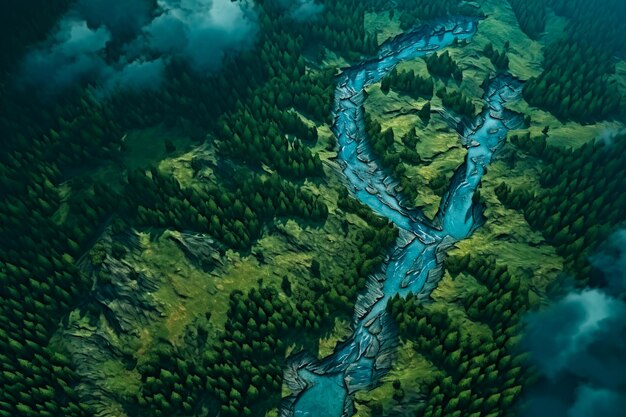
pixel 326 387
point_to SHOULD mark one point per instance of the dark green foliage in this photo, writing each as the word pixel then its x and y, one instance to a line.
pixel 439 183
pixel 384 148
pixel 442 65
pixel 245 368
pixel 54 146
pixel 531 15
pixel 409 83
pixel 315 268
pixel 534 146
pixel 581 201
pixel 256 138
pixel 424 112
pixel 40 282
pixel 286 286
pixel 481 376
pixel 341 289
pixel 414 11
pixel 169 146
pixel 234 216
pixel 456 101
pixel 173 379
pixel 499 60
pixel 598 22
pixel 575 82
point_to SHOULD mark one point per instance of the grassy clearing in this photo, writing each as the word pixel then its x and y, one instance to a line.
pixel 340 333
pixel 143 149
pixel 412 370
pixel 382 25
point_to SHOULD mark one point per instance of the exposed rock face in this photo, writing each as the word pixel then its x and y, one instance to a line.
pixel 103 335
pixel 119 306
pixel 201 249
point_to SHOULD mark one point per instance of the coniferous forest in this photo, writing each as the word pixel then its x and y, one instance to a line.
pixel 194 223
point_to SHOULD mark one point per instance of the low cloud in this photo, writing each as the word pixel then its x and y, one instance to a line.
pixel 299 10
pixel 306 10
pixel 607 136
pixel 126 44
pixel 74 54
pixel 578 345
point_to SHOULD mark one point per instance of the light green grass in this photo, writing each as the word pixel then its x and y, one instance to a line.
pixel 381 25
pixel 185 292
pixel 340 333
pixel 412 370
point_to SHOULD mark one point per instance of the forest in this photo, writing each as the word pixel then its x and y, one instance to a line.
pixel 260 123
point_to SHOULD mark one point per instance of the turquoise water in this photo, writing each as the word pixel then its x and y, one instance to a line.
pixel 325 388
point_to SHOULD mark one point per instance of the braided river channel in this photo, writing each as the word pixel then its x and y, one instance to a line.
pixel 326 387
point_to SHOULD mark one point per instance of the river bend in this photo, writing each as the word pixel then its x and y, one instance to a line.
pixel 325 388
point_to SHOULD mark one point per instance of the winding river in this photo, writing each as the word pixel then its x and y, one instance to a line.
pixel 325 388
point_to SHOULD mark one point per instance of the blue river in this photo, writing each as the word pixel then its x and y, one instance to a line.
pixel 326 388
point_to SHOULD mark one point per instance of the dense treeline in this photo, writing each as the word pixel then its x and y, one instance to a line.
pixel 343 29
pixel 575 83
pixel 258 137
pixel 174 379
pixel 41 236
pixel 383 146
pixel 581 198
pixel 243 371
pixel 500 60
pixel 456 101
pixel 414 11
pixel 367 255
pixel 442 65
pixel 246 366
pixel 596 22
pixel 235 215
pixel 479 375
pixel 409 83
pixel 531 15
pixel 48 143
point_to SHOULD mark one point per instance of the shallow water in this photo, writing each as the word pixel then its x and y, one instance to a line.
pixel 325 388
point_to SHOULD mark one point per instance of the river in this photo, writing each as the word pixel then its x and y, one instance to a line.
pixel 325 388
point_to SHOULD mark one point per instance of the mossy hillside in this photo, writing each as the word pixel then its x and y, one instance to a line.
pixel 288 250
pixel 383 24
pixel 412 370
pixel 564 133
pixel 183 292
pixel 141 149
pixel 506 234
pixel 501 26
pixel 106 380
pixel 187 172
pixel 186 293
pixel 439 147
pixel 341 331
pixel 526 59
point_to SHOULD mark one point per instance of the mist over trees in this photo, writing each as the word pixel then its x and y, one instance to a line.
pixel 256 90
